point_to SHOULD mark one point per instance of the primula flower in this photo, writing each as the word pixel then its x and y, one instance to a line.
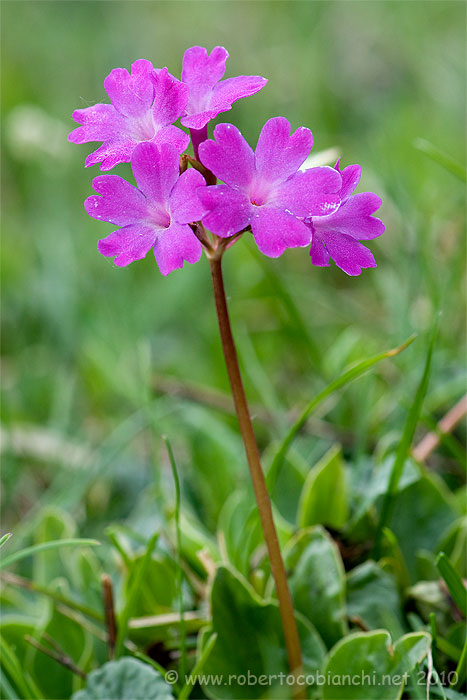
pixel 264 189
pixel 154 215
pixel 209 95
pixel 145 104
pixel 336 236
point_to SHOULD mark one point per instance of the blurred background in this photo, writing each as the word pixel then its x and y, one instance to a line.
pixel 99 362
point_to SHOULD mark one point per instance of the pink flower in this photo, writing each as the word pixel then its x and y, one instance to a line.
pixel 209 95
pixel 265 189
pixel 336 236
pixel 154 215
pixel 144 106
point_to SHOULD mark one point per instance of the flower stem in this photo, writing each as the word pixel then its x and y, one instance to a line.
pixel 259 484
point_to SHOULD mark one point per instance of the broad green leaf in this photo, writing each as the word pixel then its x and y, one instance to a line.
pixel 240 532
pixel 368 490
pixel 125 679
pixel 454 545
pixel 422 514
pixel 324 496
pixel 453 581
pixel 373 597
pixel 364 666
pixel 194 540
pixel 317 582
pixel 35 549
pixel 348 376
pixel 250 638
pixel 55 680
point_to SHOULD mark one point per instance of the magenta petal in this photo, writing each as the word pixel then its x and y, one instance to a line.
pixel 350 179
pixel 199 119
pixel 199 67
pixel 128 244
pixel 174 246
pixel 279 154
pixel 354 218
pixel 110 154
pixel 185 205
pixel 348 254
pixel 120 203
pixel 228 91
pixel 99 122
pixel 131 95
pixel 228 209
pixel 174 136
pixel 229 157
pixel 276 230
pixel 318 252
pixel 310 193
pixel 170 98
pixel 156 170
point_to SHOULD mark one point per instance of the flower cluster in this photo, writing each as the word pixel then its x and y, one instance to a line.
pixel 177 210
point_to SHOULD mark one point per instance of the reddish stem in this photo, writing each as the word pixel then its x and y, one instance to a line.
pixel 257 476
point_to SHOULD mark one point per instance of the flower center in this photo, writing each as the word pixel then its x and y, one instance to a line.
pixel 159 217
pixel 143 127
pixel 260 193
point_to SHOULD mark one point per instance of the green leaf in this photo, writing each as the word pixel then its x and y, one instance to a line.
pixel 461 668
pixel 30 551
pixel 4 538
pixel 55 680
pixel 324 496
pixel 453 582
pixel 422 514
pixel 198 667
pixel 317 582
pixel 25 686
pixel 134 591
pixel 405 443
pixel 179 575
pixel 441 158
pixel 54 524
pixel 240 530
pixel 125 679
pixel 373 597
pixel 250 639
pixel 348 376
pixel 363 666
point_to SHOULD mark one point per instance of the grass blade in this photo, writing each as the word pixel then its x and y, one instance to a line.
pixel 348 376
pixel 25 686
pixel 134 592
pixel 198 667
pixel 405 444
pixel 27 584
pixel 453 582
pixel 461 669
pixel 441 158
pixel 179 561
pixel 4 538
pixel 53 544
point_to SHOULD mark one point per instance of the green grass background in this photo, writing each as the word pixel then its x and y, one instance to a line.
pixel 82 340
